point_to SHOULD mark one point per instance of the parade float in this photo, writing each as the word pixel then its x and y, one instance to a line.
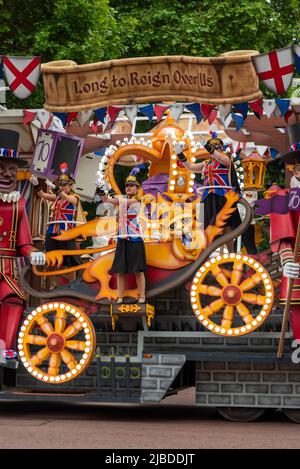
pixel 212 317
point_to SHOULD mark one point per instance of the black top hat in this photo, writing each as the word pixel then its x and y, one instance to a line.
pixel 293 156
pixel 9 141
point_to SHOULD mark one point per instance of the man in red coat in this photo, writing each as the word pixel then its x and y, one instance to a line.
pixel 283 230
pixel 15 238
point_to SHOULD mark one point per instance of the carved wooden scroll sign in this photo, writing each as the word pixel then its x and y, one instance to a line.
pixel 230 78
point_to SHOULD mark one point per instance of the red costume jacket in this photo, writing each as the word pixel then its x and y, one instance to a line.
pixel 283 230
pixel 15 241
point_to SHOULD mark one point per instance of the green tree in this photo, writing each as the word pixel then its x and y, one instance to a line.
pixel 80 30
pixel 207 27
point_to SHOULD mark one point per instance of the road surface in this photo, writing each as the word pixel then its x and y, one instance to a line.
pixel 175 423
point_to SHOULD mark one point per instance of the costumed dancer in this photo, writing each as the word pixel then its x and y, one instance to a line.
pixel 283 233
pixel 219 178
pixel 15 238
pixel 66 205
pixel 130 254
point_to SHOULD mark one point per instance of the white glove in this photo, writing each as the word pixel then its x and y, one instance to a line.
pixel 13 196
pixel 291 269
pixel 34 180
pixel 180 147
pixel 50 184
pixel 37 258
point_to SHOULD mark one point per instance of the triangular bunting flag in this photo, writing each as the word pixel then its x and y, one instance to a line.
pixel 71 116
pixel 261 149
pixel 196 110
pixel 212 116
pixel 83 117
pixel 283 105
pixel 43 116
pixel 176 111
pixel 269 106
pixel 257 107
pixel 113 112
pixel 238 119
pixel 49 121
pixel 147 111
pixel 101 114
pixel 62 116
pixel 241 108
pixel 287 115
pixel 159 111
pixel 296 49
pixel 234 145
pixel 95 127
pixel 273 153
pixel 206 110
pixel 131 112
pixel 224 110
pixel 28 116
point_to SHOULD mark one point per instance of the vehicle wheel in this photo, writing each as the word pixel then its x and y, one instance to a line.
pixel 56 343
pixel 232 295
pixel 292 414
pixel 240 414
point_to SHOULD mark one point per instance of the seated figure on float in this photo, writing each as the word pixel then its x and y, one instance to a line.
pixel 15 238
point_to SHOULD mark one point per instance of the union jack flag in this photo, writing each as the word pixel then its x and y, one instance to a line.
pixel 63 212
pixel 128 222
pixel 216 178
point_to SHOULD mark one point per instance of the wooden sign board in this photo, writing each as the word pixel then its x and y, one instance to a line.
pixel 230 78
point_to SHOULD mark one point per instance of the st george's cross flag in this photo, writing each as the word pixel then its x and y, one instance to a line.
pixel 275 69
pixel 22 74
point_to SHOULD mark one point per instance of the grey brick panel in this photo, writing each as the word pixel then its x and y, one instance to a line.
pixel 268 385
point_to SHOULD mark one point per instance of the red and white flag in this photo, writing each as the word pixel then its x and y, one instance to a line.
pixel 22 74
pixel 275 69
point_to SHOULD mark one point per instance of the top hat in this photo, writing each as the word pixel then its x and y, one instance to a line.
pixel 293 156
pixel 9 141
pixel 133 180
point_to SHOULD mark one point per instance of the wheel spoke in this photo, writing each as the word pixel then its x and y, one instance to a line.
pixel 254 299
pixel 244 313
pixel 237 273
pixel 68 359
pixel 213 307
pixel 39 357
pixel 250 282
pixel 60 320
pixel 226 272
pixel 227 316
pixel 45 325
pixel 219 276
pixel 72 330
pixel 54 364
pixel 76 345
pixel 36 340
pixel 209 290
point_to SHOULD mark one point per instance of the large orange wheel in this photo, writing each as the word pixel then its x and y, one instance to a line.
pixel 223 290
pixel 56 343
